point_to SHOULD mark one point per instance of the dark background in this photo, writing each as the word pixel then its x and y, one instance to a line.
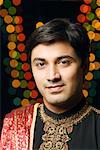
pixel 33 11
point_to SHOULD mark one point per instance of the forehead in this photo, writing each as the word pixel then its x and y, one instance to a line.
pixel 53 51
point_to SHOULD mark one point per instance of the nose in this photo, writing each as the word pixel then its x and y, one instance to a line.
pixel 53 73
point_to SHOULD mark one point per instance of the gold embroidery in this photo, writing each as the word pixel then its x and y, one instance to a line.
pixel 96 110
pixel 57 131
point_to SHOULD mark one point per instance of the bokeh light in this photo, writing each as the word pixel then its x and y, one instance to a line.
pixel 21 74
pixel 17 101
pixel 14 73
pixel 16 83
pixel 8 19
pixel 23 56
pixel 12 38
pixel 16 63
pixel 18 20
pixel 25 102
pixel 18 28
pixel 10 28
pixel 85 92
pixel 23 83
pixel 34 94
pixel 31 85
pixel 25 67
pixel 89 18
pixel 85 8
pixel 28 75
pixel 13 63
pixel 13 54
pixel 1 2
pixel 89 76
pixel 16 2
pixel 7 3
pixel 92 57
pixel 39 24
pixel 21 47
pixel 12 10
pixel 11 45
pixel 26 93
pixel 21 37
pixel 3 12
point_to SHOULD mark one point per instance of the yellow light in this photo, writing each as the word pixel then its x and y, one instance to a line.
pixel 85 92
pixel 10 28
pixel 91 66
pixel 92 57
pixel 39 24
pixel 1 2
pixel 91 35
pixel 89 76
pixel 16 83
pixel 25 102
pixel 98 2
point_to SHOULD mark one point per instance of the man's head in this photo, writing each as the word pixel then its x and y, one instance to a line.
pixel 59 51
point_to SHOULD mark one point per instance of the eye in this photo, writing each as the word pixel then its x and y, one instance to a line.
pixel 40 65
pixel 65 61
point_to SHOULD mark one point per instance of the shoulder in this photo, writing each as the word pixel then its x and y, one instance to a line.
pixel 20 111
pixel 96 115
pixel 22 115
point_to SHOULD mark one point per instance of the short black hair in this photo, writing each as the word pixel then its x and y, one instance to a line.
pixel 62 29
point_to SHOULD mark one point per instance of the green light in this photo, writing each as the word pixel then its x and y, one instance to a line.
pixel 7 3
pixel 12 10
pixel 90 16
pixel 21 75
pixel 23 84
pixel 17 101
pixel 26 93
pixel 19 67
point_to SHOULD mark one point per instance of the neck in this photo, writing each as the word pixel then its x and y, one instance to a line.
pixel 64 107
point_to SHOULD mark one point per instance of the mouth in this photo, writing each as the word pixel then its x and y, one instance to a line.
pixel 55 88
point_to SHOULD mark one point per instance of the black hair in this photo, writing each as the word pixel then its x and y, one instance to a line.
pixel 61 29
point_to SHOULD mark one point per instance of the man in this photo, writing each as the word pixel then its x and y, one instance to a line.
pixel 59 52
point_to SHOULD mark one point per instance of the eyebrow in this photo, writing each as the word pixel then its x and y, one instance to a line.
pixel 38 59
pixel 65 56
pixel 58 58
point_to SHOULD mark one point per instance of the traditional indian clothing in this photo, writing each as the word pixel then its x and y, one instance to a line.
pixel 34 127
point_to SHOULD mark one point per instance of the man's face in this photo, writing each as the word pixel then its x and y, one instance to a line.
pixel 57 72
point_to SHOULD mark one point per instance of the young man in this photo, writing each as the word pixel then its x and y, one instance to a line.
pixel 59 61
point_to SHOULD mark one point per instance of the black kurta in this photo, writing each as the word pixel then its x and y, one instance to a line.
pixel 85 135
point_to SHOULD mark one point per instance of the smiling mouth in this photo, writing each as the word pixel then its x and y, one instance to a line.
pixel 55 89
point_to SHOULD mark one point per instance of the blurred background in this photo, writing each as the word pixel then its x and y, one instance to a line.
pixel 17 20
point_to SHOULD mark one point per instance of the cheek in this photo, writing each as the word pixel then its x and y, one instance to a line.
pixel 72 74
pixel 39 77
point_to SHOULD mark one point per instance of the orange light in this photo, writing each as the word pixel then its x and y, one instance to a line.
pixel 85 8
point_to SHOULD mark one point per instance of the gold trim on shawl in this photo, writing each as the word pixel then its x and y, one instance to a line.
pixel 33 126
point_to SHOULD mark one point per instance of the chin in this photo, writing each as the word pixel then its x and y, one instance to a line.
pixel 57 100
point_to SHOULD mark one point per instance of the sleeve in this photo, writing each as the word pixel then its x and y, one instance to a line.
pixel 6 134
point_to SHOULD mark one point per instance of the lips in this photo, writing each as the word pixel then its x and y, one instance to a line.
pixel 55 88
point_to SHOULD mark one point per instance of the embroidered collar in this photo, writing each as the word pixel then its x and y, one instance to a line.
pixel 70 120
pixel 67 113
pixel 57 130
